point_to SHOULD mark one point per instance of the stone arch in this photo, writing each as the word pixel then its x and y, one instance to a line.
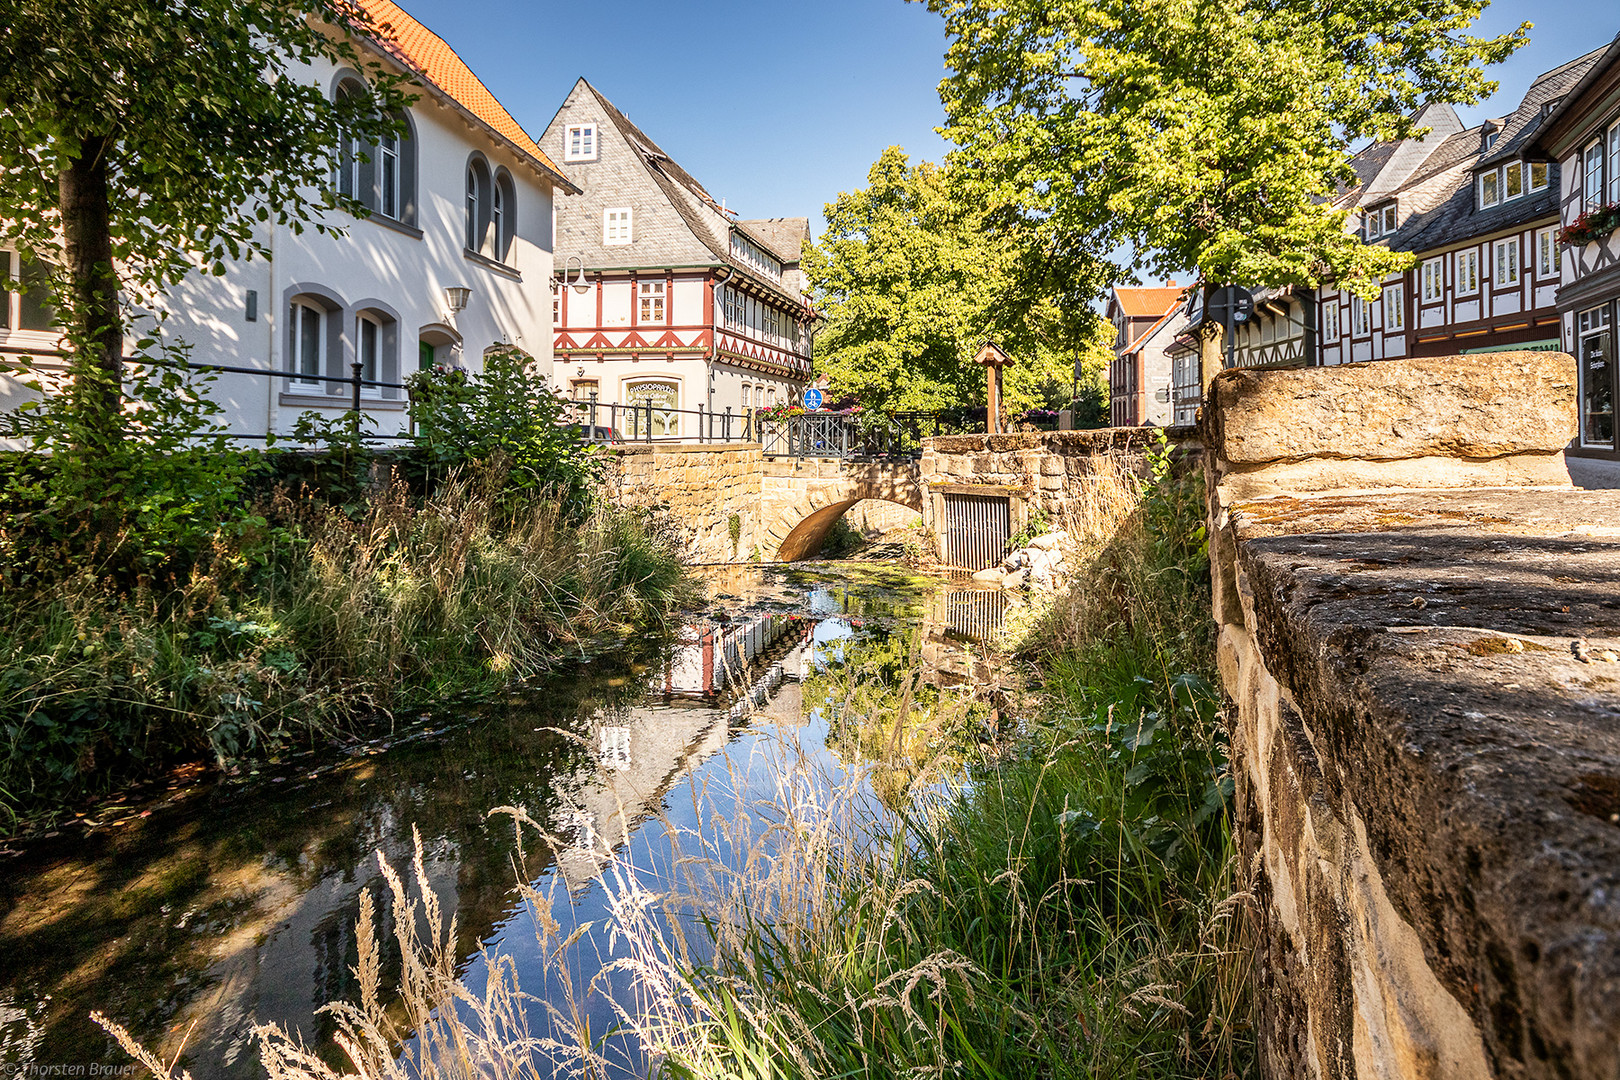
pixel 802 502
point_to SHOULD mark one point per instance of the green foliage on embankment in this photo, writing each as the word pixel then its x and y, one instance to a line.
pixel 1070 910
pixel 171 597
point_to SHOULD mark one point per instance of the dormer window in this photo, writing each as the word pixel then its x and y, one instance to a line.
pixel 1512 180
pixel 579 143
pixel 1490 139
pixel 1490 189
pixel 1540 175
pixel 1382 220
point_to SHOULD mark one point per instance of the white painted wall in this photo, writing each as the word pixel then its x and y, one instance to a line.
pixel 379 266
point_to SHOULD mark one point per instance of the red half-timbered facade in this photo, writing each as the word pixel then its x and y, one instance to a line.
pixel 663 297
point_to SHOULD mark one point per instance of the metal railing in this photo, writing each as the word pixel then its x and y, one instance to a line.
pixel 355 380
pixel 610 422
pixel 844 435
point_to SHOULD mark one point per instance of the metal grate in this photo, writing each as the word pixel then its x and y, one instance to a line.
pixel 976 530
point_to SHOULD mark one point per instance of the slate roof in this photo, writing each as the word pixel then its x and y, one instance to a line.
pixel 1521 126
pixel 436 63
pixel 708 222
pixel 1437 203
pixel 1607 55
pixel 783 236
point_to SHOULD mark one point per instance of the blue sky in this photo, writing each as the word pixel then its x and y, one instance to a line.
pixel 777 105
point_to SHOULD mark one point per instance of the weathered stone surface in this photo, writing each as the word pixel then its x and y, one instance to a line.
pixel 1472 407
pixel 1421 743
pixel 1426 721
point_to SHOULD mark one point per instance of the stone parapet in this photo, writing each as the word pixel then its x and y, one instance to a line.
pixel 1490 419
pixel 1425 732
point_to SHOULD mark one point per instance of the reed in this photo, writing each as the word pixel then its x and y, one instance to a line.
pixel 322 623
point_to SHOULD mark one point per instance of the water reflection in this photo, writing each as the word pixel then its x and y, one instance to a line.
pixel 236 907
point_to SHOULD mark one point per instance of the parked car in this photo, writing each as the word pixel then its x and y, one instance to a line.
pixel 597 433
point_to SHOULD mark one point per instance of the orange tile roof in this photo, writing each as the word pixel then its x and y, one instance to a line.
pixel 427 54
pixel 1148 301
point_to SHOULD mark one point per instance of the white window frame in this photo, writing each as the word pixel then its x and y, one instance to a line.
pixel 1468 272
pixel 1510 170
pixel 1330 320
pixel 301 311
pixel 618 226
pixel 1612 170
pixel 1360 316
pixel 585 147
pixel 1394 308
pixel 1392 218
pixel 650 299
pixel 1434 280
pixel 1550 261
pixel 389 188
pixel 1546 175
pixel 1495 198
pixel 1505 276
pixel 1592 175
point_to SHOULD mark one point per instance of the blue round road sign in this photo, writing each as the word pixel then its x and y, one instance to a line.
pixel 812 399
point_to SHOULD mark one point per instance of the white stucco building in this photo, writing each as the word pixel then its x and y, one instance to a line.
pixel 462 202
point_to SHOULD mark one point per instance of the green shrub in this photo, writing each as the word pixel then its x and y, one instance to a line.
pixel 508 411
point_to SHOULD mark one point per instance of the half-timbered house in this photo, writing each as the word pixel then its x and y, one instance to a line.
pixel 1139 376
pixel 1481 216
pixel 662 296
pixel 1582 135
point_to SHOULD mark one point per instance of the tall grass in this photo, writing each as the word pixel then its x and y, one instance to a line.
pixel 1068 907
pixel 335 618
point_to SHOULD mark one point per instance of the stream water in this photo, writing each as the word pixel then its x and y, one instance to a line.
pixel 230 904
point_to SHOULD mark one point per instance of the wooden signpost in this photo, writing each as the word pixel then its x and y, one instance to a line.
pixel 993 359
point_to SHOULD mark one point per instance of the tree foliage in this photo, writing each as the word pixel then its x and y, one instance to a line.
pixel 912 282
pixel 1205 134
pixel 143 139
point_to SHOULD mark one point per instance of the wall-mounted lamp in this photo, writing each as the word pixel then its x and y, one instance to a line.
pixel 456 296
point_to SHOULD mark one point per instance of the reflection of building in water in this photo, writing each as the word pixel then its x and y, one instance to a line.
pixel 714 658
pixel 956 618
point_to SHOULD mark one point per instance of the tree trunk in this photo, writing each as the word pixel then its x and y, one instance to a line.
pixel 93 321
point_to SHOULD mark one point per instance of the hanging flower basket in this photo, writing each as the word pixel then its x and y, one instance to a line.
pixel 1590 226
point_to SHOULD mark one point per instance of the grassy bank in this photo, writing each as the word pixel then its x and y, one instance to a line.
pixel 161 603
pixel 1061 902
pixel 1068 910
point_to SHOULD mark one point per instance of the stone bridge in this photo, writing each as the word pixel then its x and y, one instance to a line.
pixel 735 503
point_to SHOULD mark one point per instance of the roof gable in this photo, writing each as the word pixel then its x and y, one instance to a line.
pixel 436 63
pixel 1146 302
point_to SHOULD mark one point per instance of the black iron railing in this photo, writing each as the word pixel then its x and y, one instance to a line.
pixel 845 435
pixel 644 422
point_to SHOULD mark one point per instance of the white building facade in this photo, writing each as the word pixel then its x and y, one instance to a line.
pixel 461 217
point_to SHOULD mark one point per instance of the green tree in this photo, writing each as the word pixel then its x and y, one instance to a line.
pixel 912 282
pixel 144 139
pixel 1207 134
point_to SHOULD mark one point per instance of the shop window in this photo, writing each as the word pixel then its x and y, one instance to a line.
pixel 1595 342
pixel 661 420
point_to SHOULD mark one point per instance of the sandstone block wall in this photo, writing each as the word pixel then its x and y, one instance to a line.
pixel 699 487
pixel 1425 731
pixel 1044 472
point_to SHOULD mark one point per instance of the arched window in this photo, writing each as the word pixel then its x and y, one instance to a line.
pixel 504 226
pixel 381 176
pixel 479 208
pixel 307 336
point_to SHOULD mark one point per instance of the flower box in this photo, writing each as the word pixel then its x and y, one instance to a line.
pixel 1591 225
